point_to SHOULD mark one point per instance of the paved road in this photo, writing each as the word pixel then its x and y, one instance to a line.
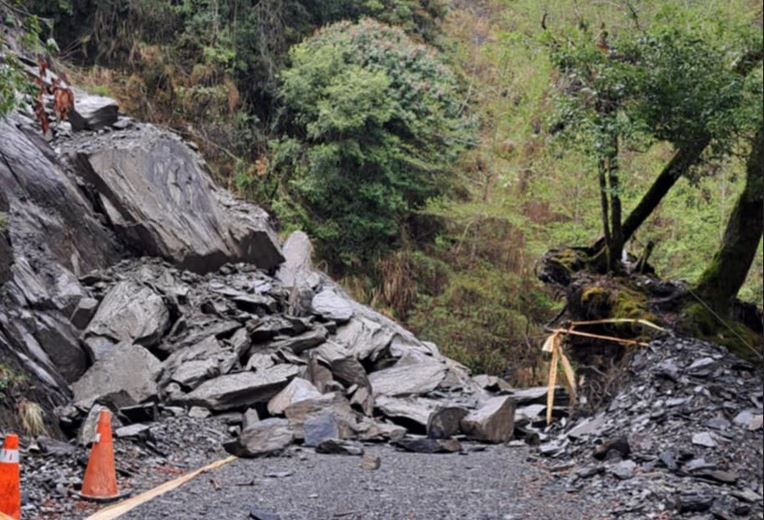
pixel 498 483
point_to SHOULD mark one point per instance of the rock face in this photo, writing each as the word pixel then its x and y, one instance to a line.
pixel 49 234
pixel 156 193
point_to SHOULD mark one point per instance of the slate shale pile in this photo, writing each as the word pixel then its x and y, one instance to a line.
pixel 301 360
pixel 683 437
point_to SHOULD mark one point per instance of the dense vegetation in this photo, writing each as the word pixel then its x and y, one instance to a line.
pixel 436 154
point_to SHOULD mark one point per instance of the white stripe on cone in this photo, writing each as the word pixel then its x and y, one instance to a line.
pixel 9 456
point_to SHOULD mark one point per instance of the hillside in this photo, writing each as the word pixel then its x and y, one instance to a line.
pixel 384 259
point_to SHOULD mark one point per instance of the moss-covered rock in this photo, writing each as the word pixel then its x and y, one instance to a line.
pixel 697 320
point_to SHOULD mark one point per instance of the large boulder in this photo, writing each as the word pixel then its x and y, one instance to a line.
pixel 156 193
pixel 408 378
pixel 92 112
pixel 240 389
pixel 297 390
pixel 129 312
pixel 128 371
pixel 262 438
pixel 492 422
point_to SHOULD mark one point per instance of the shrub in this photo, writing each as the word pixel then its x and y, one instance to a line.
pixel 374 124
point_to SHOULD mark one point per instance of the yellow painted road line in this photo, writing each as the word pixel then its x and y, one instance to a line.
pixel 117 510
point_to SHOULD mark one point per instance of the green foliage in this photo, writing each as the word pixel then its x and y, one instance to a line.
pixel 374 123
pixel 9 379
pixel 14 83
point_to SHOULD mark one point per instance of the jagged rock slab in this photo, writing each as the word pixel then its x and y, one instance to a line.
pixel 428 445
pixel 445 421
pixel 240 389
pixel 129 369
pixel 320 428
pixel 264 437
pixel 129 312
pixel 340 447
pixel 492 422
pixel 414 410
pixel 332 306
pixel 158 196
pixel 297 270
pixel 297 390
pixel 409 379
pixel 92 112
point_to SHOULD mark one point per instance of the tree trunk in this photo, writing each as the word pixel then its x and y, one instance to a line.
pixel 722 279
pixel 616 232
pixel 602 170
pixel 677 167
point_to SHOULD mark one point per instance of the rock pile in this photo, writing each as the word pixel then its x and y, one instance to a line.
pixel 292 352
pixel 682 436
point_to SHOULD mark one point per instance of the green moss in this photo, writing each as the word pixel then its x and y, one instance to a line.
pixel 3 222
pixel 629 304
pixel 696 320
pixel 9 378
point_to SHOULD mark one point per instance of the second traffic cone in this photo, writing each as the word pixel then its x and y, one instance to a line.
pixel 100 482
pixel 10 487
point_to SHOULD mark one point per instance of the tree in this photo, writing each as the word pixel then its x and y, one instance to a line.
pixel 374 123
pixel 669 83
pixel 726 273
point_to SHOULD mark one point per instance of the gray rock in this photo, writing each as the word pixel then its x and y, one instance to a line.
pixel 58 339
pixel 129 312
pixel 492 422
pixel 332 306
pixel 133 431
pixel 250 417
pixel 589 427
pixel 86 435
pixel 297 269
pixel 193 373
pixel 260 362
pixel 411 409
pixel 302 342
pixel 240 389
pixel 264 437
pixel 704 439
pixel 624 470
pixel 56 448
pixel 371 462
pixel 320 428
pixel 332 404
pixel 418 378
pixel 445 421
pixel 159 198
pixel 198 412
pixel 492 383
pixel 261 514
pixel 127 368
pixel 93 112
pixel 339 447
pixel 428 445
pixel 84 312
pixel 297 390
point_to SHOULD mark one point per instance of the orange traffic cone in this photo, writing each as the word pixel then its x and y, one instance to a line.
pixel 10 488
pixel 100 482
